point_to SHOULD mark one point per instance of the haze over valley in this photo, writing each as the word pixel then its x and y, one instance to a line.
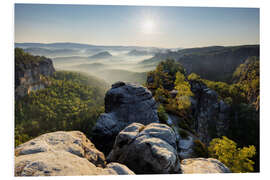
pixel 111 63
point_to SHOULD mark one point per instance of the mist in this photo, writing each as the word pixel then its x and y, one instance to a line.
pixel 114 63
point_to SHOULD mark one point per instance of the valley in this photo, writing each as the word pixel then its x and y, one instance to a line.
pixel 175 89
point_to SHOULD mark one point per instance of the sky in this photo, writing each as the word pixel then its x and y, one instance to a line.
pixel 166 27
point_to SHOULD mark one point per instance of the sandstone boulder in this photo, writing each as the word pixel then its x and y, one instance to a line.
pixel 63 153
pixel 55 164
pixel 203 166
pixel 63 164
pixel 119 169
pixel 74 142
pixel 124 104
pixel 150 149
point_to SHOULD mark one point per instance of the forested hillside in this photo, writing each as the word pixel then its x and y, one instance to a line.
pixel 214 63
pixel 211 109
pixel 70 101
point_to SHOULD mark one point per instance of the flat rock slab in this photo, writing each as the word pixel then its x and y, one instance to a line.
pixel 203 166
pixel 74 142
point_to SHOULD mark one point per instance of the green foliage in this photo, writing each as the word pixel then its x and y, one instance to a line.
pixel 164 75
pixel 243 117
pixel 184 92
pixel 71 102
pixel 163 117
pixel 161 95
pixel 26 58
pixel 232 93
pixel 237 159
pixel 247 75
pixel 170 75
pixel 193 77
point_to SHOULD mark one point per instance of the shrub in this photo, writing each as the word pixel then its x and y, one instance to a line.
pixel 162 115
pixel 237 159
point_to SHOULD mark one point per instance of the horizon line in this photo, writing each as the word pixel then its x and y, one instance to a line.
pixel 69 42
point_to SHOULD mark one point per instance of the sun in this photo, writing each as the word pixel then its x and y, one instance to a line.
pixel 148 26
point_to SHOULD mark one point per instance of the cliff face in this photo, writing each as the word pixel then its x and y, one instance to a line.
pixel 211 114
pixel 30 72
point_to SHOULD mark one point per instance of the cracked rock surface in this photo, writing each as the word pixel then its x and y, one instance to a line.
pixel 125 103
pixel 149 149
pixel 63 153
pixel 203 166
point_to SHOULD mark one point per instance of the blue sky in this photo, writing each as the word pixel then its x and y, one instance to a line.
pixel 169 27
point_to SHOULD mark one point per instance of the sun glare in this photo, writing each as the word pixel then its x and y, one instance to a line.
pixel 148 26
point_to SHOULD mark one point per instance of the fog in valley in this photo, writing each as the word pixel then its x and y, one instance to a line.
pixel 118 67
pixel 116 63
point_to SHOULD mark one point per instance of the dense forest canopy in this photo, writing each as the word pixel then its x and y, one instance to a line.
pixel 73 101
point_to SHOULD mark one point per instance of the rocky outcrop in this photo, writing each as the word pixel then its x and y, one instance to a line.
pixel 150 149
pixel 74 142
pixel 189 145
pixel 55 164
pixel 211 114
pixel 124 104
pixel 203 166
pixel 29 73
pixel 119 169
pixel 63 153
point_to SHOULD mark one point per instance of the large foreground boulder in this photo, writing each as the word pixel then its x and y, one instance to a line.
pixel 150 149
pixel 74 142
pixel 203 166
pixel 124 104
pixel 63 164
pixel 63 153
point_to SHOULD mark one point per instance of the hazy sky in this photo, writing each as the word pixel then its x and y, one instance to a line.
pixel 169 27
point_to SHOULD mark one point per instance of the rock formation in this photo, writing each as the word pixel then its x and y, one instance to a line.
pixel 203 166
pixel 124 104
pixel 211 115
pixel 150 149
pixel 63 153
pixel 74 142
pixel 28 73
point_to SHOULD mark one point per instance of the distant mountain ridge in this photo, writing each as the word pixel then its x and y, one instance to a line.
pixel 214 63
pixel 136 52
pixel 78 45
pixel 101 55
